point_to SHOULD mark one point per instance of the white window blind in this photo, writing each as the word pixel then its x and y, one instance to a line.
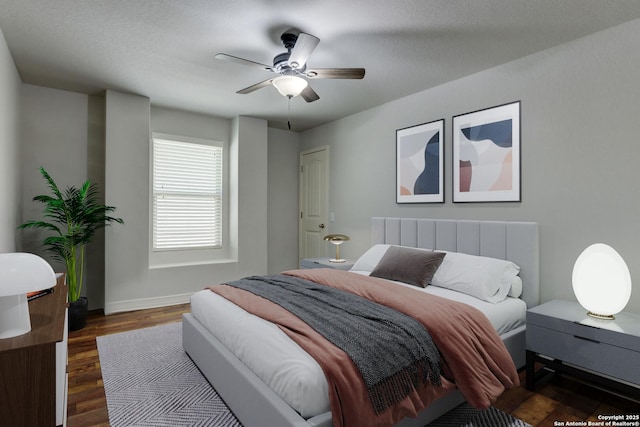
pixel 187 195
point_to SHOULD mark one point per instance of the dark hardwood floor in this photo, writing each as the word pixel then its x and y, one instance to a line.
pixel 87 405
pixel 556 399
pixel 562 399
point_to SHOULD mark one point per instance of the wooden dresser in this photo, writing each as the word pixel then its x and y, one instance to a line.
pixel 33 366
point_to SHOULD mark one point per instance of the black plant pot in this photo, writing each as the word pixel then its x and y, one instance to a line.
pixel 78 313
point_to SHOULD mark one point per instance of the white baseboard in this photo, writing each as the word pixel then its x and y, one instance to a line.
pixel 144 303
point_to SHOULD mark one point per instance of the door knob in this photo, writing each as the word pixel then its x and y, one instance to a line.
pixel 321 226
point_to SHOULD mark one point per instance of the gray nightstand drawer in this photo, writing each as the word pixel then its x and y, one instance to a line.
pixel 325 263
pixel 585 352
pixel 310 263
pixel 598 330
pixel 563 338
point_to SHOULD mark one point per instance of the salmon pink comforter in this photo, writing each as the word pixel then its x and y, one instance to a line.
pixel 474 358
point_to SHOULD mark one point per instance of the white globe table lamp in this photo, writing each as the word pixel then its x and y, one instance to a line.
pixel 20 273
pixel 601 281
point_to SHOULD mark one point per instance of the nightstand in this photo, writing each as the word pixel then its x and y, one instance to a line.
pixel 563 338
pixel 325 263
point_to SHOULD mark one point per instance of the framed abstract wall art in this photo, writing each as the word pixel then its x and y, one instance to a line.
pixel 486 155
pixel 420 163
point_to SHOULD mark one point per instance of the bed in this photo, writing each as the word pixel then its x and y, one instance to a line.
pixel 256 404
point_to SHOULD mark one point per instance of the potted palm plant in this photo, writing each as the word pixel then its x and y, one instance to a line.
pixel 73 216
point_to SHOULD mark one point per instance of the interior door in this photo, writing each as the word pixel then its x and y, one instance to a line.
pixel 314 190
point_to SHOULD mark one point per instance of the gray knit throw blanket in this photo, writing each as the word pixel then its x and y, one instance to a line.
pixel 392 351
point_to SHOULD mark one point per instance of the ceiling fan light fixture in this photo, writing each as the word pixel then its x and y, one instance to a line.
pixel 290 86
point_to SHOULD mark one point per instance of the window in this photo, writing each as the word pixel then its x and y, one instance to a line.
pixel 187 183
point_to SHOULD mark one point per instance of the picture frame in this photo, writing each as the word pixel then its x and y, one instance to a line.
pixel 420 163
pixel 486 155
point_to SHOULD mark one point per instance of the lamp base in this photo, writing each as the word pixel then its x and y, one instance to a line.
pixel 601 316
pixel 14 316
pixel 337 260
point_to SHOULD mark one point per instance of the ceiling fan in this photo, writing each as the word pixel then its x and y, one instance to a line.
pixel 292 67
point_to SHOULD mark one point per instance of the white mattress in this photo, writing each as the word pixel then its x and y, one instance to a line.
pixel 284 366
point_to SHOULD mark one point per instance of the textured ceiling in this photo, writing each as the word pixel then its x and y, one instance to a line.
pixel 164 49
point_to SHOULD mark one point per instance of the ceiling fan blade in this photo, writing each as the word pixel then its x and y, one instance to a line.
pixel 242 61
pixel 255 87
pixel 301 51
pixel 309 94
pixel 335 73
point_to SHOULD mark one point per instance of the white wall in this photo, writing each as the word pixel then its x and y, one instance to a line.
pixel 580 153
pixel 129 283
pixel 9 150
pixel 284 147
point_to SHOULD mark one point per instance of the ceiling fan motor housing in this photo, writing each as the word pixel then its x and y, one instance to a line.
pixel 281 64
pixel 293 63
pixel 289 40
pixel 281 61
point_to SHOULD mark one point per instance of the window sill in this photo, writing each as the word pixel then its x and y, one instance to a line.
pixel 193 263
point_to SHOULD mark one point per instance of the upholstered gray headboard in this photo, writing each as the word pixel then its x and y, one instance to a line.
pixel 510 240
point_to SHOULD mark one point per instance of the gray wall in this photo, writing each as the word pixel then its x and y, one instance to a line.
pixel 580 153
pixel 282 204
pixel 54 136
pixel 64 133
pixel 579 112
pixel 9 150
pixel 129 282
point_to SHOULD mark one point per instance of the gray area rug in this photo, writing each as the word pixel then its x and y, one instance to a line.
pixel 466 415
pixel 150 381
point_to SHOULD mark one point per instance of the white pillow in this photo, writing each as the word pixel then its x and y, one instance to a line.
pixel 485 278
pixel 368 260
pixel 516 287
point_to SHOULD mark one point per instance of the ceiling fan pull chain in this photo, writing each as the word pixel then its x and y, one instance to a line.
pixel 289 112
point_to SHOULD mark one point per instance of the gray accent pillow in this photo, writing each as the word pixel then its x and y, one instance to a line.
pixel 409 265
